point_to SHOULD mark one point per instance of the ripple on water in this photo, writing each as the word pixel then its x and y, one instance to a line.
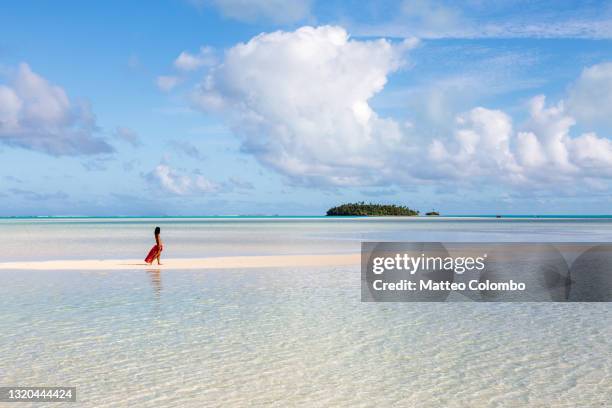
pixel 292 337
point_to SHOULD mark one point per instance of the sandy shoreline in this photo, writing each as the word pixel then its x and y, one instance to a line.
pixel 225 262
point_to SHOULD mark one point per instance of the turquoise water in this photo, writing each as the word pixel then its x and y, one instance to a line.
pixel 124 217
pixel 287 336
pixel 111 238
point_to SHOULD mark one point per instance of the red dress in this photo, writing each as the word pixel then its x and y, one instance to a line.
pixel 152 254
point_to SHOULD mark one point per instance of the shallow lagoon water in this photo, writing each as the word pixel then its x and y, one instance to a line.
pixel 298 336
pixel 112 238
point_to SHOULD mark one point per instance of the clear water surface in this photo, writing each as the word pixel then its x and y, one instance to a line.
pixel 287 336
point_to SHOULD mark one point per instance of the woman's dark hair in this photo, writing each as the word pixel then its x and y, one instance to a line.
pixel 157 230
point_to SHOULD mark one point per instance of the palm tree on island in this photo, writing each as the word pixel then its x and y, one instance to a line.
pixel 361 209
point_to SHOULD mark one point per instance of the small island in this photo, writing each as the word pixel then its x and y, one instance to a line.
pixel 432 213
pixel 375 210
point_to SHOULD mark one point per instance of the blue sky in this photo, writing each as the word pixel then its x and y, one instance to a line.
pixel 269 107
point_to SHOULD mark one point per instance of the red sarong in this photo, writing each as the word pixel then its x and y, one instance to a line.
pixel 152 254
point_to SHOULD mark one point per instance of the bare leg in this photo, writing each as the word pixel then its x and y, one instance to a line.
pixel 157 257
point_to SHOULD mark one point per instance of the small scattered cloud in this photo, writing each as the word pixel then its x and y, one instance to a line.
pixel 277 11
pixel 235 183
pixel 173 182
pixel 590 97
pixel 37 196
pixel 127 135
pixel 167 82
pixel 99 163
pixel 130 165
pixel 185 64
pixel 429 17
pixel 13 179
pixel 436 19
pixel 186 148
pixel 169 180
pixel 37 115
pixel 190 62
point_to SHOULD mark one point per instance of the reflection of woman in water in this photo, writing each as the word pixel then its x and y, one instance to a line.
pixel 155 275
pixel 155 252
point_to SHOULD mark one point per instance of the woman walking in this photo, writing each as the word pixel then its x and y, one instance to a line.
pixel 155 252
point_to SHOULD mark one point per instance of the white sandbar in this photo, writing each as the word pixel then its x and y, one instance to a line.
pixel 224 262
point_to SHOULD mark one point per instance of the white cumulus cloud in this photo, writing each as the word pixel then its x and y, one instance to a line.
pixel 543 150
pixel 38 115
pixel 300 102
pixel 481 145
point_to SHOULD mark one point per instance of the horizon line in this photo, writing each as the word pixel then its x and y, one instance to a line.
pixel 497 215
